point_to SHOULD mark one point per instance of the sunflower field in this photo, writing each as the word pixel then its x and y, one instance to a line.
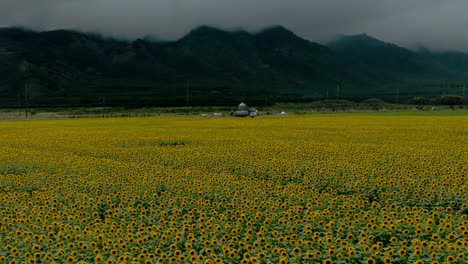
pixel 350 188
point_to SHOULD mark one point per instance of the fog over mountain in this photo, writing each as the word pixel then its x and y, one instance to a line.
pixel 411 23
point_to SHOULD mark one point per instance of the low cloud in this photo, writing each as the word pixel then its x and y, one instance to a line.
pixel 432 23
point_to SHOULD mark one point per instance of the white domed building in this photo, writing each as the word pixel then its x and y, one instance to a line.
pixel 244 111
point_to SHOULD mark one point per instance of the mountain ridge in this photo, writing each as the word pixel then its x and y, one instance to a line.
pixel 210 66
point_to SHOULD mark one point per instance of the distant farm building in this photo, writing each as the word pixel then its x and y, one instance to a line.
pixel 244 111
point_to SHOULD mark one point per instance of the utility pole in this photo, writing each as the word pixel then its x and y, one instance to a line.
pixel 26 75
pixel 463 91
pixel 327 92
pixel 338 91
pixel 187 94
pixel 397 94
pixel 26 103
pixel 19 102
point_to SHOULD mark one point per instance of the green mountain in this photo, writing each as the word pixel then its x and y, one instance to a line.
pixel 386 66
pixel 210 66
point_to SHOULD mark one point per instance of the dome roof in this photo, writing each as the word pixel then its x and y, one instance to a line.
pixel 243 106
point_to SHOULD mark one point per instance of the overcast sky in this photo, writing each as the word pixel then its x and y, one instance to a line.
pixel 437 24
